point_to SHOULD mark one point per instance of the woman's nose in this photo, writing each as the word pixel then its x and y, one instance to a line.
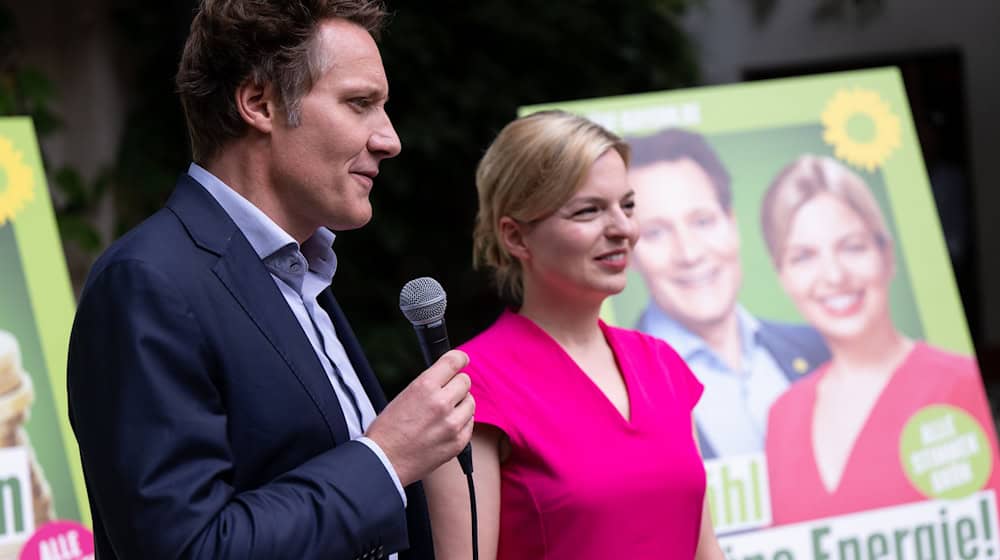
pixel 624 225
pixel 833 271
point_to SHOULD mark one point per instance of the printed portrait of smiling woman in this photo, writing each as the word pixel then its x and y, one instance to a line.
pixel 833 439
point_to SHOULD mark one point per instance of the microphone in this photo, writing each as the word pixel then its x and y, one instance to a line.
pixel 423 301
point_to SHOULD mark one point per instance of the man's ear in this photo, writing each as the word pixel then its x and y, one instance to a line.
pixel 512 238
pixel 256 105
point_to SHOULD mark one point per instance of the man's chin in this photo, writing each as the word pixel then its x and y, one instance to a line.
pixel 699 318
pixel 354 221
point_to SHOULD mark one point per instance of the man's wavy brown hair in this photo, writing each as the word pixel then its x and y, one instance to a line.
pixel 268 42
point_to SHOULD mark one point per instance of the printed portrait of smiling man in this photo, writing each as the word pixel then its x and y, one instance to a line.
pixel 688 254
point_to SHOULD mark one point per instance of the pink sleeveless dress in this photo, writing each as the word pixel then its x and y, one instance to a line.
pixel 583 482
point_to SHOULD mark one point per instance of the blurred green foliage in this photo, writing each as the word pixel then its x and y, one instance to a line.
pixel 25 90
pixel 458 71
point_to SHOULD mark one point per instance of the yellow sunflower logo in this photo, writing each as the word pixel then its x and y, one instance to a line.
pixel 861 128
pixel 16 184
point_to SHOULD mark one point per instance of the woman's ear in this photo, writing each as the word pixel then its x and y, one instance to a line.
pixel 512 238
pixel 256 105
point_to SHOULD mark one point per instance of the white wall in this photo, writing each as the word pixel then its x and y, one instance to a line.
pixel 730 41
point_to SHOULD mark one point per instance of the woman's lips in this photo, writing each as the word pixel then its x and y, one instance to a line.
pixel 842 305
pixel 615 260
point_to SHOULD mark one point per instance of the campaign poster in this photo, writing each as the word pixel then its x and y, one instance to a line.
pixel 43 505
pixel 790 251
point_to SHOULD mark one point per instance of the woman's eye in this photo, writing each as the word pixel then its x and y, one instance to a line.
pixel 585 212
pixel 799 257
pixel 857 245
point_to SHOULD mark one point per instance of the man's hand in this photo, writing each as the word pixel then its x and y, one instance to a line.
pixel 429 422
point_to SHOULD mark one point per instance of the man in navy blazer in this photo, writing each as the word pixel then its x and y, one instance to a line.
pixel 688 253
pixel 222 405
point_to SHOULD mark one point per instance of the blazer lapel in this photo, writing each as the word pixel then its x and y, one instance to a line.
pixel 353 349
pixel 421 545
pixel 247 279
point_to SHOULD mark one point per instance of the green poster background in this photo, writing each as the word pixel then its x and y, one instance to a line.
pixel 759 127
pixel 36 306
pixel 754 158
pixel 43 427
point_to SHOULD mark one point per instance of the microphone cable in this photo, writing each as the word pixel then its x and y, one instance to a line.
pixel 467 469
pixel 423 301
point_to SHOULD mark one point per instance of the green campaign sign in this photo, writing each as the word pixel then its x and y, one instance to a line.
pixel 790 251
pixel 42 496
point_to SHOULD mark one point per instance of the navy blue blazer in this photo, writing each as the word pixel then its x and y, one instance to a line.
pixel 797 349
pixel 206 424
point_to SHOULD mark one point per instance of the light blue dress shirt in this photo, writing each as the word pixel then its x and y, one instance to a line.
pixel 301 274
pixel 732 412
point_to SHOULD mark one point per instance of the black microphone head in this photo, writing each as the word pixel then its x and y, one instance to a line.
pixel 422 301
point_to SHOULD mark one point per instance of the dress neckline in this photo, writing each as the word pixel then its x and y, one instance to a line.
pixel 625 372
pixel 877 410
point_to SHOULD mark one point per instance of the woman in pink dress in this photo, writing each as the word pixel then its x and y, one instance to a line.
pixel 583 445
pixel 834 439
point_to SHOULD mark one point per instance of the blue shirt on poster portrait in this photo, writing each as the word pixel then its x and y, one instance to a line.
pixel 731 416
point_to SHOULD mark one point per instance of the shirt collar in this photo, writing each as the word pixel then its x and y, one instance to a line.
pixel 268 240
pixel 688 344
pixel 749 327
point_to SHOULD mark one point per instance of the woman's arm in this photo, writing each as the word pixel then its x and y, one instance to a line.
pixel 448 500
pixel 708 544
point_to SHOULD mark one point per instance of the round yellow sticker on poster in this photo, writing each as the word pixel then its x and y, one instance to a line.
pixel 15 181
pixel 944 452
pixel 861 127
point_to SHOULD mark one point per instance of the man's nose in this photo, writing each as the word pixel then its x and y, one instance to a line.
pixel 384 142
pixel 689 246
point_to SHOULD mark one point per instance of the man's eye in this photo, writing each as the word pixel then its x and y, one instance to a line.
pixel 361 102
pixel 705 221
pixel 652 233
